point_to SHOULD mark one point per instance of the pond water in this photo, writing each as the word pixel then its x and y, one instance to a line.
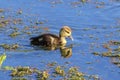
pixel 94 23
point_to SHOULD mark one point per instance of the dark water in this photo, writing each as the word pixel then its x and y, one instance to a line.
pixel 93 23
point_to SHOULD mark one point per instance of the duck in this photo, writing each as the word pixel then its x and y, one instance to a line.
pixel 49 40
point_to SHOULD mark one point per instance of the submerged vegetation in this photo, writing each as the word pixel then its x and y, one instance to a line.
pixel 23 73
pixel 113 53
pixel 57 71
pixel 9 47
pixel 14 34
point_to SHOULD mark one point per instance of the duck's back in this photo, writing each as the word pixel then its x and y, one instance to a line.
pixel 45 40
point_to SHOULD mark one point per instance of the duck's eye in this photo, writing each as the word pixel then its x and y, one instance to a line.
pixel 67 32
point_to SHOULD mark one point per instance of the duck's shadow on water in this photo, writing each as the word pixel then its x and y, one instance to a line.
pixel 65 51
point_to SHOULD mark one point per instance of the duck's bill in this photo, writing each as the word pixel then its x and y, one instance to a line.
pixel 71 38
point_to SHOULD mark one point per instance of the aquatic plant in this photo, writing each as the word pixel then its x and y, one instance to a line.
pixel 14 34
pixel 59 70
pixel 2 58
pixel 1 10
pixel 21 71
pixel 9 47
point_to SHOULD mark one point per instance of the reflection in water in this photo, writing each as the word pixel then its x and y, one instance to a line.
pixel 66 51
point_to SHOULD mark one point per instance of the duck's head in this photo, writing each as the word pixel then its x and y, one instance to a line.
pixel 65 32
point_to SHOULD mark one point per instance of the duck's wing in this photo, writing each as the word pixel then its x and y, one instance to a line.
pixel 45 40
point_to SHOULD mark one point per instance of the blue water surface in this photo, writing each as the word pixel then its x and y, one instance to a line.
pixel 93 23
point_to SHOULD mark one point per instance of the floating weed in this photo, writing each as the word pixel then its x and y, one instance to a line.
pixel 112 51
pixel 19 78
pixel 75 3
pixel 15 29
pixel 117 63
pixel 70 74
pixel 117 49
pixel 8 68
pixel 100 4
pixel 5 46
pixel 28 33
pixel 21 71
pixel 112 54
pixel 96 53
pixel 2 16
pixel 92 77
pixel 107 46
pixel 107 54
pixel 51 64
pixel 74 74
pixel 9 47
pixel 83 1
pixel 14 34
pixel 14 46
pixel 114 42
pixel 44 75
pixel 60 71
pixel 4 22
pixel 26 28
pixel 41 22
pixel 1 10
pixel 17 21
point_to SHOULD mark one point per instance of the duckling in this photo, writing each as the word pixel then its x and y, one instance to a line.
pixel 49 40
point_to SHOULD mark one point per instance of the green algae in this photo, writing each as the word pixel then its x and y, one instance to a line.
pixel 7 67
pixel 96 53
pixel 74 74
pixel 9 46
pixel 115 42
pixel 2 16
pixel 117 49
pixel 60 71
pixel 52 64
pixel 21 71
pixel 113 52
pixel 83 1
pixel 4 22
pixel 19 78
pixel 106 54
pixel 1 10
pixel 14 34
pixel 43 75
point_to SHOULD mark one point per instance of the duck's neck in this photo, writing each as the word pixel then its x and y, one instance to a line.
pixel 63 40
